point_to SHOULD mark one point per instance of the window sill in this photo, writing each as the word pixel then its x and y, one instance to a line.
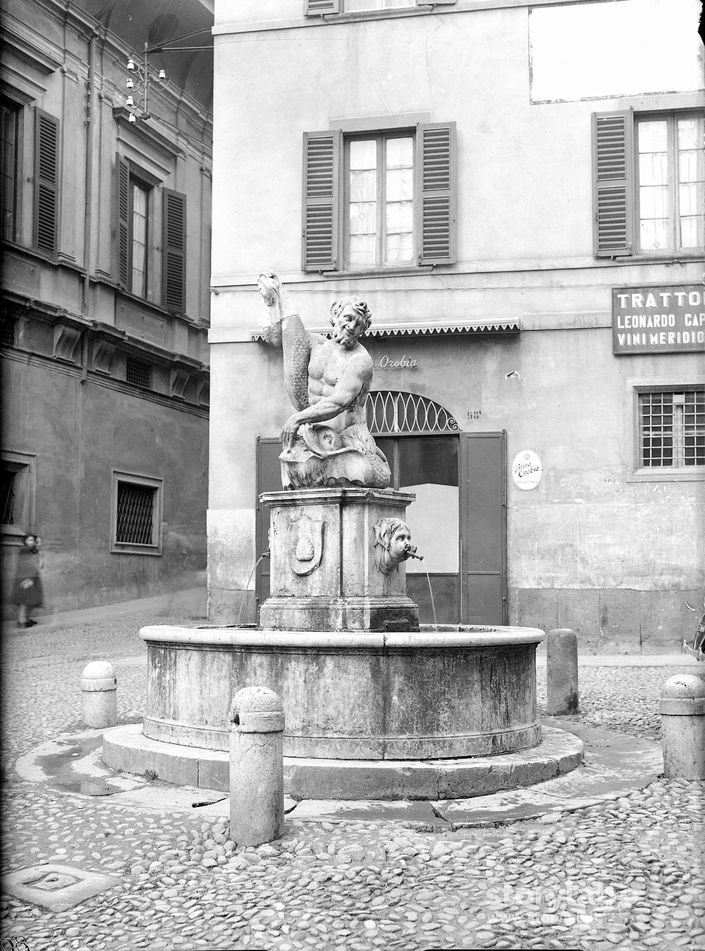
pixel 654 257
pixel 125 549
pixel 668 474
pixel 405 271
pixel 12 535
pixel 54 258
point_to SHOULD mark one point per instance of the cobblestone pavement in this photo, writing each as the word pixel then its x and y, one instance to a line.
pixel 626 873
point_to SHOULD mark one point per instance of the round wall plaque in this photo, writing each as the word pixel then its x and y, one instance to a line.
pixel 526 469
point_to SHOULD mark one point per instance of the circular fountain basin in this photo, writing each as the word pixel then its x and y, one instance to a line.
pixel 442 692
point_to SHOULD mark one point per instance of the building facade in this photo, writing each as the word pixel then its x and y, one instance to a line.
pixel 527 230
pixel 105 288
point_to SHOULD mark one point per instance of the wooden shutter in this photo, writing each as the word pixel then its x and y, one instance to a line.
pixel 435 193
pixel 46 181
pixel 319 7
pixel 174 245
pixel 613 198
pixel 322 152
pixel 122 220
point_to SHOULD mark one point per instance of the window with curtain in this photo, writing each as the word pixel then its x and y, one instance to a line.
pixel 671 183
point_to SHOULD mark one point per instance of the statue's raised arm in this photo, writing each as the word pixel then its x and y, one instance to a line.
pixel 326 442
pixel 286 330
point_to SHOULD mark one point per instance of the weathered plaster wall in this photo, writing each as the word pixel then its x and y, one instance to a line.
pixel 80 433
pixel 589 548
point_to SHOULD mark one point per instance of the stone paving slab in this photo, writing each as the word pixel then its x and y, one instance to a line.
pixel 613 765
pixel 126 748
pixel 379 810
pixel 625 872
pixel 57 887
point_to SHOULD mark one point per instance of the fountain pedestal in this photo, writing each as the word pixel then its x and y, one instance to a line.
pixel 324 571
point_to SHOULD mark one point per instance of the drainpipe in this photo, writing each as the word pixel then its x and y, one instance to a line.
pixel 91 128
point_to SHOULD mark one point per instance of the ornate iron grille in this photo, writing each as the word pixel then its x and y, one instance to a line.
pixel 7 498
pixel 672 429
pixel 138 373
pixel 391 411
pixel 135 514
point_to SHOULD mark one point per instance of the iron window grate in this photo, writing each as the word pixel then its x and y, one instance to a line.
pixel 7 498
pixel 135 514
pixel 672 429
pixel 7 332
pixel 138 373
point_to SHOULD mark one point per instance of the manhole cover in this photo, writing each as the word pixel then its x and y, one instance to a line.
pixel 56 887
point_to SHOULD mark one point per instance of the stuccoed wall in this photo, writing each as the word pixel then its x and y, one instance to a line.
pixel 589 548
pixel 80 433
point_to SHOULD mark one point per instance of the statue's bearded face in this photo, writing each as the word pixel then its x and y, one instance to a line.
pixel 348 327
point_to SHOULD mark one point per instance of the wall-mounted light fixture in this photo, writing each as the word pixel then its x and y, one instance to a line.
pixel 142 74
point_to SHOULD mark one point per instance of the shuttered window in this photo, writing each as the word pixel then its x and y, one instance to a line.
pixel 323 7
pixel 397 194
pixel 613 183
pixel 11 174
pixel 319 7
pixel 174 244
pixel 133 204
pixel 321 184
pixel 436 159
pixel 46 182
pixel 123 221
pixel 649 183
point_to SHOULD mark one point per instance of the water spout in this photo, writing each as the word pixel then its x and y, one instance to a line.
pixel 433 603
pixel 265 554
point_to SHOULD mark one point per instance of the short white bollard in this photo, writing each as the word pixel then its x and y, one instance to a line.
pixel 561 672
pixel 256 766
pixel 682 710
pixel 99 688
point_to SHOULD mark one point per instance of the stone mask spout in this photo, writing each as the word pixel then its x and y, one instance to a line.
pixel 393 544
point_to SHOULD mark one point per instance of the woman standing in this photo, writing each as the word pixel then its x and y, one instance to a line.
pixel 27 593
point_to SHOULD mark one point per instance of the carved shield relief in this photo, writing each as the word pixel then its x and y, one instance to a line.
pixel 305 544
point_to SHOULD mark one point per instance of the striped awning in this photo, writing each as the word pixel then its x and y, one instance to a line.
pixel 434 328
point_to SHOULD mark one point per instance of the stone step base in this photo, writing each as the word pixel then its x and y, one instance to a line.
pixel 127 749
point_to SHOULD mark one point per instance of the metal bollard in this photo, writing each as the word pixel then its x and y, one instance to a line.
pixel 99 687
pixel 562 672
pixel 682 710
pixel 256 766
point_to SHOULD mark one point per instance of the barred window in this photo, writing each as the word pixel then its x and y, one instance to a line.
pixel 7 331
pixel 136 514
pixel 17 492
pixel 138 373
pixel 672 429
pixel 135 509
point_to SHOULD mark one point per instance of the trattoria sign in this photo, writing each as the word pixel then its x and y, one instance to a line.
pixel 658 319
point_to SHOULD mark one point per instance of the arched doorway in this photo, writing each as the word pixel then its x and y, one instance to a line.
pixel 458 520
pixel 420 439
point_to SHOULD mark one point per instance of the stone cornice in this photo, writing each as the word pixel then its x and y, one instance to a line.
pixel 31 308
pixel 141 130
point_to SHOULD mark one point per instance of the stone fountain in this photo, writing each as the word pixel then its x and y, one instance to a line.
pixel 375 706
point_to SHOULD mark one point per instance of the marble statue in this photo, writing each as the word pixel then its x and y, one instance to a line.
pixel 326 442
pixel 393 544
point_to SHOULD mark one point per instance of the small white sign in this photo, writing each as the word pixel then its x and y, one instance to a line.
pixel 526 469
